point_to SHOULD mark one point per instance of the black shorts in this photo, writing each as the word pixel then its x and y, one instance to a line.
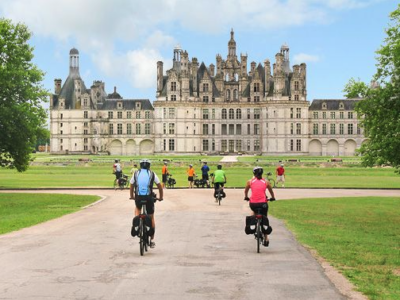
pixel 218 184
pixel 164 178
pixel 190 178
pixel 149 205
pixel 260 208
pixel 118 174
pixel 204 176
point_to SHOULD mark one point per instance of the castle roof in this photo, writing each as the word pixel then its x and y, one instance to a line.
pixel 334 104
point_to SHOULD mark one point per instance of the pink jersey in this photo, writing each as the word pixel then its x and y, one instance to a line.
pixel 258 188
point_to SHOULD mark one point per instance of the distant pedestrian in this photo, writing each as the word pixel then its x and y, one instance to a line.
pixel 280 175
pixel 165 173
pixel 204 173
pixel 135 168
pixel 190 172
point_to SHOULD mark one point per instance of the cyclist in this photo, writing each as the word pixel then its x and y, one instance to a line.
pixel 204 173
pixel 165 173
pixel 219 181
pixel 258 199
pixel 142 188
pixel 117 170
pixel 190 172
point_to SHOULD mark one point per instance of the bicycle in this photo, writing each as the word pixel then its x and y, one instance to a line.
pixel 200 182
pixel 170 181
pixel 121 183
pixel 219 194
pixel 271 180
pixel 144 229
pixel 259 234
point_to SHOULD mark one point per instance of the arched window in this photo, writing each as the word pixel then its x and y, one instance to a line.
pixel 235 95
pixel 231 113
pixel 228 95
pixel 236 77
pixel 238 114
pixel 226 77
pixel 223 116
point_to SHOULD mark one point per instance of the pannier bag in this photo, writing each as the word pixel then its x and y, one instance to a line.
pixel 265 228
pixel 147 224
pixel 135 226
pixel 251 222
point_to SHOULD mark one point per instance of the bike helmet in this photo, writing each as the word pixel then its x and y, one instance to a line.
pixel 219 167
pixel 258 171
pixel 145 164
pixel 116 160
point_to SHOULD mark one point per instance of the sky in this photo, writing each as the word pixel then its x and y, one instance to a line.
pixel 120 41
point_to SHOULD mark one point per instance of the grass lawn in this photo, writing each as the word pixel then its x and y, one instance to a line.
pixel 23 210
pixel 96 174
pixel 359 236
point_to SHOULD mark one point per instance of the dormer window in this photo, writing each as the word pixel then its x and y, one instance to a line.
pixel 324 106
pixel 138 105
pixel 341 105
pixel 119 105
pixel 62 103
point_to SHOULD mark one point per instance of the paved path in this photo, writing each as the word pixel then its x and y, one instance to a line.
pixel 201 253
pixel 229 158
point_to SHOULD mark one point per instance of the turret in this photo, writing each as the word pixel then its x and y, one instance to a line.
pixel 74 61
pixel 232 46
pixel 177 59
pixel 184 62
pixel 285 54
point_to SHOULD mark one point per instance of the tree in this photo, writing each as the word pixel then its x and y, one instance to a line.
pixel 355 89
pixel 22 117
pixel 380 109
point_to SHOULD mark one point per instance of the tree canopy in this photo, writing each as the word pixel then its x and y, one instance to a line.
pixel 22 117
pixel 380 108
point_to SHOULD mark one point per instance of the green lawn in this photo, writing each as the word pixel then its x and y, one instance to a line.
pixel 99 174
pixel 23 210
pixel 359 236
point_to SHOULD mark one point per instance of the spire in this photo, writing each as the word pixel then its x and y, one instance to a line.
pixel 232 45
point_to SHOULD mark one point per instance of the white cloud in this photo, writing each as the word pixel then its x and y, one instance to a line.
pixel 97 27
pixel 305 58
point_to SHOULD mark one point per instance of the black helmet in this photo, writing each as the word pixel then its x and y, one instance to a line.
pixel 145 164
pixel 219 167
pixel 258 171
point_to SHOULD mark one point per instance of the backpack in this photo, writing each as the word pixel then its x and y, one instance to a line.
pixel 145 186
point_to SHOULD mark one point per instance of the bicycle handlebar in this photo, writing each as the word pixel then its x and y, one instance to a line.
pixel 248 199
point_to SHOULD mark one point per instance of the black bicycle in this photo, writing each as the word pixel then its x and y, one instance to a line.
pixel 200 182
pixel 145 227
pixel 170 181
pixel 219 193
pixel 259 234
pixel 121 183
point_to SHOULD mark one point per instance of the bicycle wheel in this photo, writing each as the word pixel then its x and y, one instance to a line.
pixel 272 182
pixel 141 237
pixel 258 235
pixel 219 198
pixel 115 185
